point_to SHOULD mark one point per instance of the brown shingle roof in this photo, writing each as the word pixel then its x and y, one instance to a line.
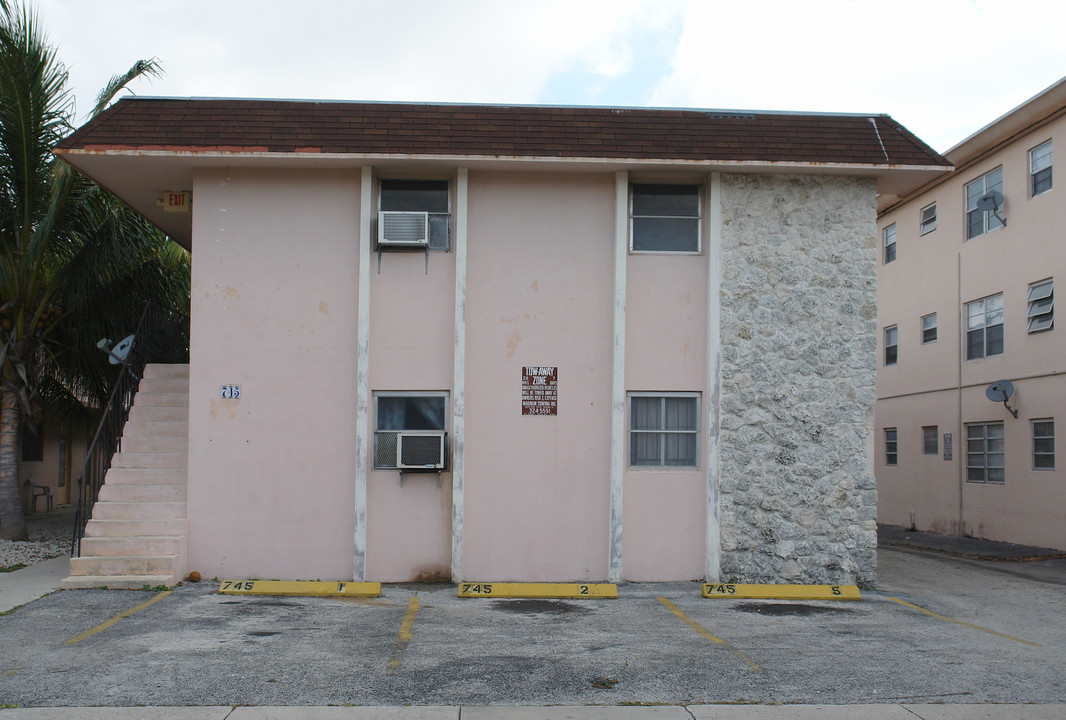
pixel 496 130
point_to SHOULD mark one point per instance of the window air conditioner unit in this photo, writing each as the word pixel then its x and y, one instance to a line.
pixel 420 450
pixel 403 229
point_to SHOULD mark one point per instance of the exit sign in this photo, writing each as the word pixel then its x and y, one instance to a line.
pixel 176 202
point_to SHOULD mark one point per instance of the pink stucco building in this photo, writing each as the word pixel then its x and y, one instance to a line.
pixel 967 299
pixel 618 344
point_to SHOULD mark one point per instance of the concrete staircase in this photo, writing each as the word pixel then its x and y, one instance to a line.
pixel 136 535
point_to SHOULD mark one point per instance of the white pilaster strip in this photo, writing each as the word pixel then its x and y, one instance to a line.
pixel 713 404
pixel 459 374
pixel 618 382
pixel 362 377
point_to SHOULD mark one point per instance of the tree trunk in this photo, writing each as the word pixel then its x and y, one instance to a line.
pixel 12 523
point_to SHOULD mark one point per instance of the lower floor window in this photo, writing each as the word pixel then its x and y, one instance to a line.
pixel 409 430
pixel 1043 444
pixel 663 430
pixel 984 453
pixel 891 447
pixel 930 438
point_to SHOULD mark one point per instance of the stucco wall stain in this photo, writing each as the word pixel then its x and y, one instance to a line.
pixel 323 307
pixel 227 408
pixel 513 340
pixel 431 573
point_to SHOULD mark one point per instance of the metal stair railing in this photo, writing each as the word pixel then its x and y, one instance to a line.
pixel 150 344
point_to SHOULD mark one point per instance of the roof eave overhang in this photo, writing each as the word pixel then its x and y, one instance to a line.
pixel 141 175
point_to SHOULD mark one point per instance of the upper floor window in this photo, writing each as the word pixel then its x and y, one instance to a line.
pixel 890 243
pixel 927 222
pixel 891 345
pixel 1041 313
pixel 665 218
pixel 1040 168
pixel 663 429
pixel 419 210
pixel 929 329
pixel 978 221
pixel 984 327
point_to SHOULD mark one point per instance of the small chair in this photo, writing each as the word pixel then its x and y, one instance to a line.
pixel 39 491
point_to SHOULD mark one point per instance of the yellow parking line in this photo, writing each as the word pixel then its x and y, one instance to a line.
pixel 404 636
pixel 700 629
pixel 105 625
pixel 960 622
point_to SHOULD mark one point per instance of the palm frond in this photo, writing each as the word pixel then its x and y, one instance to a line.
pixel 149 68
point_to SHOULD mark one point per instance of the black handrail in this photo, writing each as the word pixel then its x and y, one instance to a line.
pixel 155 340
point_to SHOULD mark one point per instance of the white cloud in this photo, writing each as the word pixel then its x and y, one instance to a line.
pixel 943 68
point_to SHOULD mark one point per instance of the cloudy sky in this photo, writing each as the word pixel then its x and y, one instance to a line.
pixel 943 68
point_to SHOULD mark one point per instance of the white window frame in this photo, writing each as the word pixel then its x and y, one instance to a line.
pixel 927 219
pixel 891 334
pixel 378 432
pixel 988 320
pixel 985 446
pixel 889 244
pixel 662 432
pixel 931 432
pixel 1040 314
pixel 892 447
pixel 972 192
pixel 929 323
pixel 1040 164
pixel 698 218
pixel 1043 453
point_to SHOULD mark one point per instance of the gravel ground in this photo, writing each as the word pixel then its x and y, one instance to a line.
pixel 49 538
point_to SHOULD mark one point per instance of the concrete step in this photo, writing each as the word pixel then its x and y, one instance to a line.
pixel 161 444
pixel 147 476
pixel 159 413
pixel 164 385
pixel 139 511
pixel 173 527
pixel 161 370
pixel 161 399
pixel 148 428
pixel 120 582
pixel 124 565
pixel 150 460
pixel 119 492
pixel 143 545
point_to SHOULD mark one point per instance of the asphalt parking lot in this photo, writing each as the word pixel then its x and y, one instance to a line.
pixel 936 629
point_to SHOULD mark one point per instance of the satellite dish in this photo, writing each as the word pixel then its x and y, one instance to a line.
pixel 1001 391
pixel 992 202
pixel 118 354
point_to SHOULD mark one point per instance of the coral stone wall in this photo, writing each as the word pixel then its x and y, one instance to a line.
pixel 798 343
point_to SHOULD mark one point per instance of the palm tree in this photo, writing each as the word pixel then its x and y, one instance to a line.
pixel 75 263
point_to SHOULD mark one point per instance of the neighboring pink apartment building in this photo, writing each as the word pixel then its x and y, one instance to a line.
pixel 609 344
pixel 966 298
